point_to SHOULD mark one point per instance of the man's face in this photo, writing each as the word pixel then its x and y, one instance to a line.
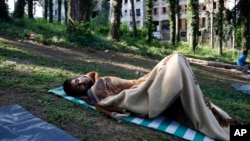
pixel 81 84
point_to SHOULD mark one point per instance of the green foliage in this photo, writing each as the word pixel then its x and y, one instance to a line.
pixel 101 30
pixel 101 16
pixel 149 22
pixel 192 22
pixel 239 37
pixel 55 33
pixel 35 73
pixel 124 30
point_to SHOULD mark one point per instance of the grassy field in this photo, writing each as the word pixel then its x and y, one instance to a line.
pixel 29 69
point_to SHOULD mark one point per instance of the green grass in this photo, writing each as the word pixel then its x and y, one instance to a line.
pixel 96 38
pixel 36 73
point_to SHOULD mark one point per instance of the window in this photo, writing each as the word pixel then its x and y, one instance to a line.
pixel 125 12
pixel 204 7
pixel 138 0
pixel 125 1
pixel 138 12
pixel 203 22
pixel 155 11
pixel 138 23
pixel 164 10
pixel 214 5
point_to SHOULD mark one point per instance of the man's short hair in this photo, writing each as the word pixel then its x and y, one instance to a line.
pixel 245 51
pixel 67 87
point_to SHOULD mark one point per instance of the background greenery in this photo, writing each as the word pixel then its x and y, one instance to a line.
pixel 36 73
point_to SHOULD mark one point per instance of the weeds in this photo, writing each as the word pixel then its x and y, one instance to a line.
pixel 36 72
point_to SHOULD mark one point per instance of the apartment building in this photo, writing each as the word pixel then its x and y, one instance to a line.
pixel 139 12
pixel 160 14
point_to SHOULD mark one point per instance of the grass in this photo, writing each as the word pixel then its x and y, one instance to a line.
pixel 34 73
pixel 96 38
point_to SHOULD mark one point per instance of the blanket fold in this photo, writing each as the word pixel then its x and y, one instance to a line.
pixel 172 78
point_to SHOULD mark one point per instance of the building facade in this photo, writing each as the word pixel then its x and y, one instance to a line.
pixel 160 14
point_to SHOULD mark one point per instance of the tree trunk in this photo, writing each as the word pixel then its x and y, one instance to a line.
pixel 212 26
pixel 30 9
pixel 212 63
pixel 235 25
pixel 115 19
pixel 193 17
pixel 149 6
pixel 45 14
pixel 50 11
pixel 220 25
pixel 80 10
pixel 19 9
pixel 133 18
pixel 4 14
pixel 59 10
pixel 245 18
pixel 66 11
pixel 177 18
pixel 172 7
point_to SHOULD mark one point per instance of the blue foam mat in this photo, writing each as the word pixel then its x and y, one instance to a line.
pixel 17 124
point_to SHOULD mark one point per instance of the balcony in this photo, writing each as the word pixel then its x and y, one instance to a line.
pixel 160 17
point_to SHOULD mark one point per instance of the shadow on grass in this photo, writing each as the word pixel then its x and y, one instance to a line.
pixel 71 59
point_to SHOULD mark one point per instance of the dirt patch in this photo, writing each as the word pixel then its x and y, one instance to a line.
pixel 104 128
pixel 98 127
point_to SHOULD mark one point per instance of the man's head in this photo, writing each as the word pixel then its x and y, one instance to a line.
pixel 77 86
pixel 245 51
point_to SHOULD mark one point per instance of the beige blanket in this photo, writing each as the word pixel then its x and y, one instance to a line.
pixel 170 78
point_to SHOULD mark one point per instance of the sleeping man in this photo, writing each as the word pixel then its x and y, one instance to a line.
pixel 169 88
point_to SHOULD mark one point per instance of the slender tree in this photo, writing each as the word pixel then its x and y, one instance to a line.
pixel 220 25
pixel 70 23
pixel 234 23
pixel 245 19
pixel 45 13
pixel 66 11
pixel 172 7
pixel 59 14
pixel 133 18
pixel 50 11
pixel 212 25
pixel 30 9
pixel 177 18
pixel 149 7
pixel 193 17
pixel 19 9
pixel 115 19
pixel 4 13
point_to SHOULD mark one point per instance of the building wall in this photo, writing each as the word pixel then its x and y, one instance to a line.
pixel 127 15
pixel 160 14
pixel 37 10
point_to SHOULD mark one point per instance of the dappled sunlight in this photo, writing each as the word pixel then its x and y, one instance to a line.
pixel 222 74
pixel 69 59
pixel 79 56
pixel 29 76
pixel 36 68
